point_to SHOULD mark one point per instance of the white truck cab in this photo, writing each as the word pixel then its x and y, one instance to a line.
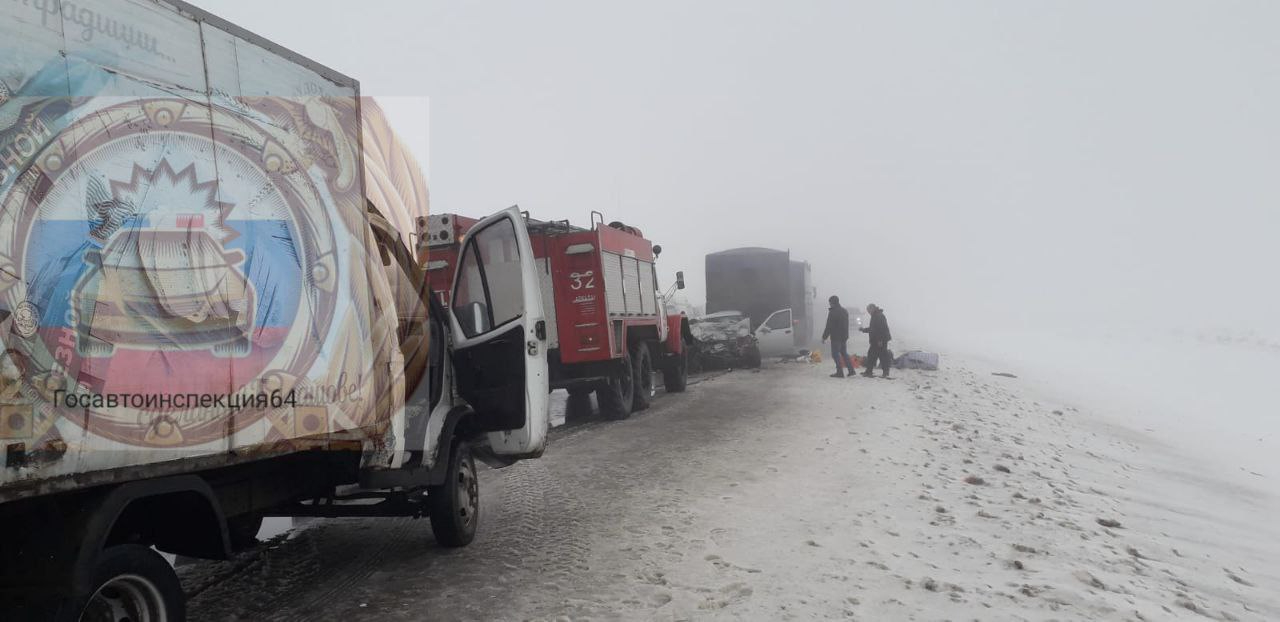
pixel 499 335
pixel 480 368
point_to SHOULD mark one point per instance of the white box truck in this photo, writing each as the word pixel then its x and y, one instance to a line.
pixel 210 311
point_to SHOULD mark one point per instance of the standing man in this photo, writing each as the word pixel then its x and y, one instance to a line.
pixel 838 330
pixel 879 336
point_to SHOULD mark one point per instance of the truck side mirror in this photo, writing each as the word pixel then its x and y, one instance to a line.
pixel 680 280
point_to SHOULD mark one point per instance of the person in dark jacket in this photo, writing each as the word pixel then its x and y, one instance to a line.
pixel 878 335
pixel 838 331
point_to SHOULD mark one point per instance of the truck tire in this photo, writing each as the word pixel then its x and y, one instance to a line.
pixel 642 367
pixel 578 406
pixel 675 376
pixel 133 582
pixel 615 395
pixel 455 505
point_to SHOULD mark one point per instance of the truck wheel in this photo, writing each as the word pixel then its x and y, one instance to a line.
pixel 455 504
pixel 616 394
pixel 642 367
pixel 675 376
pixel 133 582
pixel 579 405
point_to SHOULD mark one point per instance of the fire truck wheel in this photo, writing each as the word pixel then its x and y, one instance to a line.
pixel 616 393
pixel 642 366
pixel 675 376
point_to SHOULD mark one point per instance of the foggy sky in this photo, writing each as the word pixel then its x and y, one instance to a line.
pixel 965 165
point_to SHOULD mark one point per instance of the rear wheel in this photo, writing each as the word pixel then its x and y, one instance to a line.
pixel 615 395
pixel 455 504
pixel 642 366
pixel 132 582
pixel 675 376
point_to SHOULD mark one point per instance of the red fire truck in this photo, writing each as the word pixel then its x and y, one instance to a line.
pixel 608 328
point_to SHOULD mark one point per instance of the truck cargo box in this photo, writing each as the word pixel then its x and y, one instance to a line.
pixel 184 250
pixel 755 281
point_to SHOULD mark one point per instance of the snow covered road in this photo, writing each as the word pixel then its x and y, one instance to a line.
pixel 785 494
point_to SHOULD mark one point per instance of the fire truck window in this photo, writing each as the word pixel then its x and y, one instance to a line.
pixel 501 258
pixel 779 321
pixel 470 305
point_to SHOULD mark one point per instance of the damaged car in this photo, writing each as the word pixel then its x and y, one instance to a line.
pixel 724 340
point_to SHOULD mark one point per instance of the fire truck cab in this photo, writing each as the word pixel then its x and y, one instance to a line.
pixel 608 329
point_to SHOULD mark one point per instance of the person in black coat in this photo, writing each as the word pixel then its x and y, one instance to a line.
pixel 878 335
pixel 838 331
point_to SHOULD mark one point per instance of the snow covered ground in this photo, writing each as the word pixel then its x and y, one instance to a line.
pixel 785 494
pixel 1215 398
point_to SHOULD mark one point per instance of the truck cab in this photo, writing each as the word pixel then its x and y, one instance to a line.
pixel 489 350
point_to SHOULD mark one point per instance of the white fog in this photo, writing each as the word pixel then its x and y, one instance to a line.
pixel 1091 178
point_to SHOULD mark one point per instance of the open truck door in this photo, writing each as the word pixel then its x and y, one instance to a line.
pixel 775 335
pixel 500 332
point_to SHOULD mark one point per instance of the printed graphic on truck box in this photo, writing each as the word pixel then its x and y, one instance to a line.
pixel 182 259
pixel 130 263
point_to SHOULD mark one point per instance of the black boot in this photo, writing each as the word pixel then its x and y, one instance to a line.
pixel 839 374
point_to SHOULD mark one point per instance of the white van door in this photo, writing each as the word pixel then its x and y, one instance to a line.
pixel 499 335
pixel 775 335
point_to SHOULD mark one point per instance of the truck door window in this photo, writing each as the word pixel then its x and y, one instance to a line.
pixel 489 292
pixel 497 246
pixel 779 321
